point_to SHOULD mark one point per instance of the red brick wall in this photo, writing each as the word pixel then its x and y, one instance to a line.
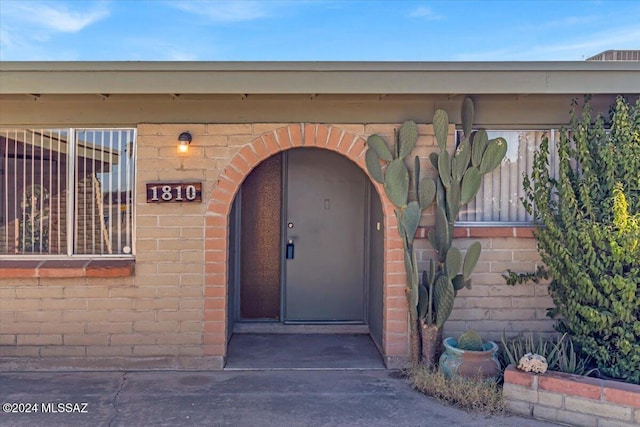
pixel 572 399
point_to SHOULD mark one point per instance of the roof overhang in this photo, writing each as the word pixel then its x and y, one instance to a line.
pixel 393 78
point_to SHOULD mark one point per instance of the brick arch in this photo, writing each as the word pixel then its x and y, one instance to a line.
pixel 350 145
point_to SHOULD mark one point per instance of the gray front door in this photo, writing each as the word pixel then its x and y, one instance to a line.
pixel 325 223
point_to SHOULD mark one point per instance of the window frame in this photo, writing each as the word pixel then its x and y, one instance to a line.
pixel 552 133
pixel 71 205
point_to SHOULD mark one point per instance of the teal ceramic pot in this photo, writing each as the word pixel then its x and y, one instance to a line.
pixel 467 363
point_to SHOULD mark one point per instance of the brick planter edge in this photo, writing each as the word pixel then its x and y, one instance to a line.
pixel 571 399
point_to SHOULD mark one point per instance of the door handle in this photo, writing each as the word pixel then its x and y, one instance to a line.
pixel 290 249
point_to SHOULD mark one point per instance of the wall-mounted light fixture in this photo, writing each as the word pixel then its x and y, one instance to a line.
pixel 183 142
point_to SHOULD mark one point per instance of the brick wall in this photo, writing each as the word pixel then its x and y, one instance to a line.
pixel 172 311
pixel 492 307
pixel 572 399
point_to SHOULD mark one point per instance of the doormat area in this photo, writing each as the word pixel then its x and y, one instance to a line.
pixel 302 351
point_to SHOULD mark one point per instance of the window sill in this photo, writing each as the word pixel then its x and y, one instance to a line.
pixel 480 232
pixel 66 268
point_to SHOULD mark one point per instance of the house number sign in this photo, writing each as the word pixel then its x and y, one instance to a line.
pixel 180 192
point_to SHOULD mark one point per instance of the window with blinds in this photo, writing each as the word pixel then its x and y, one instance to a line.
pixel 66 191
pixel 501 191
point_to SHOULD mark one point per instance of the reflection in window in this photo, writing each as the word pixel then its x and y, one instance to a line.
pixel 66 191
pixel 499 198
pixel 34 224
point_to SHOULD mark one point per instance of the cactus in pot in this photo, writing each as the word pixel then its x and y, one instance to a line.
pixel 457 183
pixel 395 179
pixel 470 340
pixel 469 357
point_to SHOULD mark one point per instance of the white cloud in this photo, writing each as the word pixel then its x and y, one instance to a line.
pixel 176 55
pixel 425 12
pixel 224 11
pixel 5 38
pixel 563 23
pixel 26 25
pixel 572 20
pixel 141 48
pixel 570 50
pixel 55 16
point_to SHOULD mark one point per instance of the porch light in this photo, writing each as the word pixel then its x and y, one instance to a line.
pixel 183 142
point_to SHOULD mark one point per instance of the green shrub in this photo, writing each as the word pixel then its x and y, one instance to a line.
pixel 588 234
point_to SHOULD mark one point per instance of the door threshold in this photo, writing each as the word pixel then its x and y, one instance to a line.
pixel 280 328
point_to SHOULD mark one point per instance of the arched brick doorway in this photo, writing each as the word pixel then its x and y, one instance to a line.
pixel 350 145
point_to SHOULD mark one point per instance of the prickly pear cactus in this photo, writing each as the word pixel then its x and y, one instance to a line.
pixel 457 183
pixel 470 340
pixel 395 179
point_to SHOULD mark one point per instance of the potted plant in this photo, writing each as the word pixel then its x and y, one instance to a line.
pixel 469 357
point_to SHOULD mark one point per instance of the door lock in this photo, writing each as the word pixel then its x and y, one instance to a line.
pixel 290 249
pixel 290 225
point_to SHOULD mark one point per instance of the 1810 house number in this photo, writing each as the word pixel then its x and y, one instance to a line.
pixel 174 192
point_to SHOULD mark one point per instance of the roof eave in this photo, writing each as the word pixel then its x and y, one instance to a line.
pixel 318 77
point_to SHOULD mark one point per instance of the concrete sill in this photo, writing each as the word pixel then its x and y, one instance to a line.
pixel 67 268
pixel 483 232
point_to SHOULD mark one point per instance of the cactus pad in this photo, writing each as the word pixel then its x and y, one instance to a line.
pixel 373 165
pixel 377 143
pixel 441 128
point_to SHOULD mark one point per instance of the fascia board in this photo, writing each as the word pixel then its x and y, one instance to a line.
pixel 318 78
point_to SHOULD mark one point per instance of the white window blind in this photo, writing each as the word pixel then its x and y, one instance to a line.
pixel 66 191
pixel 499 198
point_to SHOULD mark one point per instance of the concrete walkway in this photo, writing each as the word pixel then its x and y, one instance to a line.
pixel 230 398
pixel 302 351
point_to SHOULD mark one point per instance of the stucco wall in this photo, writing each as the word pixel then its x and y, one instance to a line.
pixel 172 311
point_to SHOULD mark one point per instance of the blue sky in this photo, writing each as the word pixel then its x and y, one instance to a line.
pixel 270 30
